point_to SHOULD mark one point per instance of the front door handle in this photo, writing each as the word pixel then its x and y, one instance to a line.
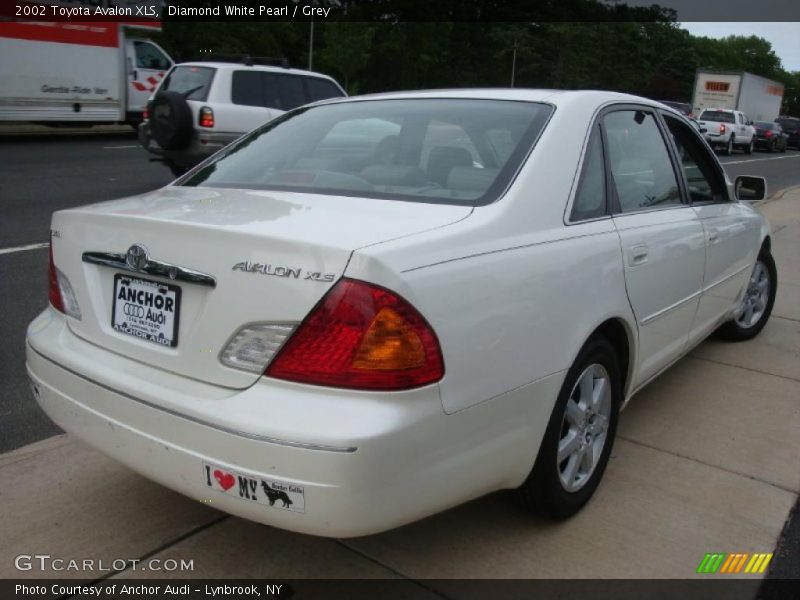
pixel 637 255
pixel 713 237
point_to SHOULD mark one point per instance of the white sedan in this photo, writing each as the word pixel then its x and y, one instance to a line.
pixel 373 309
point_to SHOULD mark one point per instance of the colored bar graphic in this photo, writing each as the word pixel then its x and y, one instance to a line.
pixel 735 562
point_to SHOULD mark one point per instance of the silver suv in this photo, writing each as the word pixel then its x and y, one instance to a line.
pixel 201 106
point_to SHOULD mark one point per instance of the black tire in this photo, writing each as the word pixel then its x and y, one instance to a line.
pixel 171 121
pixel 748 149
pixel 783 148
pixel 733 331
pixel 542 492
pixel 771 147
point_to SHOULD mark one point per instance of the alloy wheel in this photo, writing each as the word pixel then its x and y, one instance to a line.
pixel 756 297
pixel 584 427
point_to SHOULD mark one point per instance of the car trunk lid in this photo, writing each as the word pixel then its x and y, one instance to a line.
pixel 271 257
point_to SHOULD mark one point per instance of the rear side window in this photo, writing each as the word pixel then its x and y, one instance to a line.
pixel 193 82
pixel 321 89
pixel 640 162
pixel 590 199
pixel 278 90
pixel 717 115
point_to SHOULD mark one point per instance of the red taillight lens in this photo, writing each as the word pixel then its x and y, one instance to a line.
pixel 145 115
pixel 206 117
pixel 722 128
pixel 361 336
pixel 768 133
pixel 54 291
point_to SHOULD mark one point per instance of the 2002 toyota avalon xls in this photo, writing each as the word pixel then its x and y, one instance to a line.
pixel 369 310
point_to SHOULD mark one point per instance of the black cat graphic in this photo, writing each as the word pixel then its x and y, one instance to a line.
pixel 273 494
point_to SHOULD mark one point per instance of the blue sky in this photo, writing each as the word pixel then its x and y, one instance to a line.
pixel 784 37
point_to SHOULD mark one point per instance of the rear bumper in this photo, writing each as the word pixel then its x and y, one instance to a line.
pixel 365 463
pixel 202 145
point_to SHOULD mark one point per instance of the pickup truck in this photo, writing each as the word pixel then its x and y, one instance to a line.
pixel 727 129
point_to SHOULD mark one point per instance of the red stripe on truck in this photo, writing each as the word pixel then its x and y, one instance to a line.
pixel 83 33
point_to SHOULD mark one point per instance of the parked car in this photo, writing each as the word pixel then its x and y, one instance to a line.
pixel 201 107
pixel 770 136
pixel 338 334
pixel 791 127
pixel 728 129
pixel 685 108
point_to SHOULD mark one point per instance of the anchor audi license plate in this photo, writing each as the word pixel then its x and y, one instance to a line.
pixel 146 309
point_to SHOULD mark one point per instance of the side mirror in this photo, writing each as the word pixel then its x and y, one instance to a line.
pixel 749 188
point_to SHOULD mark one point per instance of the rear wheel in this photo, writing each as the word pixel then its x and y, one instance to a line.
pixel 729 147
pixel 756 306
pixel 771 147
pixel 748 149
pixel 579 436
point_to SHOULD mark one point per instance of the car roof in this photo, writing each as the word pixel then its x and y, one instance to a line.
pixel 242 66
pixel 549 96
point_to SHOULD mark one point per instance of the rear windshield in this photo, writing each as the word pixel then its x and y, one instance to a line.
pixel 193 82
pixel 432 150
pixel 279 90
pixel 764 125
pixel 717 115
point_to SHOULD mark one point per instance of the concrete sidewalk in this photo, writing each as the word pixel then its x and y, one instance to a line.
pixel 706 461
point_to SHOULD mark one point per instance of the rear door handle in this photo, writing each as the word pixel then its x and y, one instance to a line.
pixel 637 255
pixel 713 237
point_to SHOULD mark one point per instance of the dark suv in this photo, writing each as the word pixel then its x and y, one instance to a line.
pixel 791 127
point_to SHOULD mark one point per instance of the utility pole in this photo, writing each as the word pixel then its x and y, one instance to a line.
pixel 514 63
pixel 311 45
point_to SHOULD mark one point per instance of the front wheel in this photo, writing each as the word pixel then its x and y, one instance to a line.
pixel 755 307
pixel 579 436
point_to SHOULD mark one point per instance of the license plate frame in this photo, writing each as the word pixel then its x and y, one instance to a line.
pixel 139 329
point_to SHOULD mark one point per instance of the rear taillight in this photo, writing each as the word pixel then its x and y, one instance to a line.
pixel 145 115
pixel 361 336
pixel 55 293
pixel 206 117
pixel 768 133
pixel 722 128
pixel 62 296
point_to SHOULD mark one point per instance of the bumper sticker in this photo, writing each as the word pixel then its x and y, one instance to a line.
pixel 269 492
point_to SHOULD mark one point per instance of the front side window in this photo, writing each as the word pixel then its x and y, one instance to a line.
pixel 706 183
pixel 639 162
pixel 150 57
pixel 431 150
pixel 590 199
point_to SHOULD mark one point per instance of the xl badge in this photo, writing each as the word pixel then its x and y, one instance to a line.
pixel 136 257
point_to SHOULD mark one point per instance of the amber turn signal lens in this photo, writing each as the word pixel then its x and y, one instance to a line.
pixel 389 344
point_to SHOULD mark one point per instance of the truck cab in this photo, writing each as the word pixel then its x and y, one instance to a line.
pixel 146 63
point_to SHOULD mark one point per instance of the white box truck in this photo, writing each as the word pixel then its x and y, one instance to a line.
pixel 57 72
pixel 758 97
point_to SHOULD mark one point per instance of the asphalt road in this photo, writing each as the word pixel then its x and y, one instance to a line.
pixel 43 174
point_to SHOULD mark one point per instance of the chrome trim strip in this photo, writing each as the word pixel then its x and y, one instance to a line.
pixel 726 278
pixel 669 308
pixel 174 413
pixel 152 267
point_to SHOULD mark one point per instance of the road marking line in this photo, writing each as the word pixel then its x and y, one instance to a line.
pixel 24 248
pixel 738 162
pixel 118 147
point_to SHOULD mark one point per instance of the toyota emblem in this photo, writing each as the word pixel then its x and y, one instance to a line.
pixel 136 257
